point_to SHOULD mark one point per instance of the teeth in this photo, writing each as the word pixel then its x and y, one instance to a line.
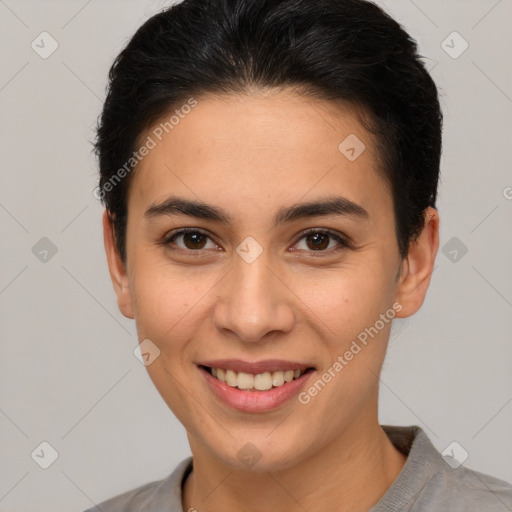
pixel 245 381
pixel 230 378
pixel 260 382
pixel 277 379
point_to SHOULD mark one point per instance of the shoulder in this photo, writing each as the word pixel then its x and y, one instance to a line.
pixel 467 489
pixel 430 481
pixel 151 497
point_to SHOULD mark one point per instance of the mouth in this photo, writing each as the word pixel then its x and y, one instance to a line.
pixel 262 381
pixel 254 387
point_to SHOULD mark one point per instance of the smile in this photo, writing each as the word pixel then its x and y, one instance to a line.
pixel 254 387
pixel 259 382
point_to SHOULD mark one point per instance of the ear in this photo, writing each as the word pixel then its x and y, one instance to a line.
pixel 117 268
pixel 418 265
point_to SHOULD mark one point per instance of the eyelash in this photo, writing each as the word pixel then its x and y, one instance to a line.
pixel 343 243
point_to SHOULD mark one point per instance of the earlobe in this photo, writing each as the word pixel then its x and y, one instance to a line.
pixel 117 268
pixel 418 266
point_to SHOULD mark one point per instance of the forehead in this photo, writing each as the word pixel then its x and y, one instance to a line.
pixel 267 146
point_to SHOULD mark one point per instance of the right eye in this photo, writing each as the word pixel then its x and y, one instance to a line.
pixel 189 240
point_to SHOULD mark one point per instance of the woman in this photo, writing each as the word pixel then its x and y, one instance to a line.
pixel 269 171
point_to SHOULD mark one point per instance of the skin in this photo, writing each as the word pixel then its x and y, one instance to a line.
pixel 251 155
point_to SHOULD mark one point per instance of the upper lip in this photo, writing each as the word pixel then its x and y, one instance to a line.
pixel 255 367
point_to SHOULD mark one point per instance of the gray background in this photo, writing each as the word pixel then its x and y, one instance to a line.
pixel 68 374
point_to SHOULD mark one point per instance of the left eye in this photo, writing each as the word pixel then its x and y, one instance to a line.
pixel 320 240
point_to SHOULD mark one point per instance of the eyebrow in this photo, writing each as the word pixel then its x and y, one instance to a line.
pixel 329 206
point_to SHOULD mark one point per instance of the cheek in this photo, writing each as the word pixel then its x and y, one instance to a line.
pixel 346 301
pixel 167 308
pixel 351 306
pixel 161 299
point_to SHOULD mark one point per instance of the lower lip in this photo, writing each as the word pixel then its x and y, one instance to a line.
pixel 255 401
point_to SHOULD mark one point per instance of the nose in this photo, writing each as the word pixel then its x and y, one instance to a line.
pixel 254 302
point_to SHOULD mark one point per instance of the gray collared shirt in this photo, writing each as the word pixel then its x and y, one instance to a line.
pixel 427 482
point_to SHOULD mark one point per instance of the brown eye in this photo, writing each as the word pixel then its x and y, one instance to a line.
pixel 194 240
pixel 189 240
pixel 319 240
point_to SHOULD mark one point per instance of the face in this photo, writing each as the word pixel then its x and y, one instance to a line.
pixel 255 242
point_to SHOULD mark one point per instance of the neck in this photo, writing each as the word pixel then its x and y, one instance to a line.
pixel 350 474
